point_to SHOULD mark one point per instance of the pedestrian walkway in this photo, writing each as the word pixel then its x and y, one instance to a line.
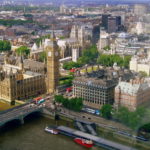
pixel 79 125
pixel 91 130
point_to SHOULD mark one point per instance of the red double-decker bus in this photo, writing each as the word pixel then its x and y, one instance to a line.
pixel 35 100
pixel 68 89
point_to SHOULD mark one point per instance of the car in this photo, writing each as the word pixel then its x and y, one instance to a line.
pixel 141 138
pixel 97 112
pixel 124 133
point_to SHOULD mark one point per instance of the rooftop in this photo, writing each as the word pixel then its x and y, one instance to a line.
pixel 104 77
pixel 29 74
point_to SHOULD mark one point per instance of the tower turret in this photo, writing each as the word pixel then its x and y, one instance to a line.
pixel 21 64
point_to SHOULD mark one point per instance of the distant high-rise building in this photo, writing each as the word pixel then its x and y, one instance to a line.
pixel 140 9
pixel 103 40
pixel 118 22
pixel 105 20
pixel 112 24
pixel 63 9
pixel 139 28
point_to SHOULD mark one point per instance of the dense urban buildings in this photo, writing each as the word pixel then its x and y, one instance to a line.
pixel 141 63
pixel 18 84
pixel 97 88
pixel 86 60
pixel 111 23
pixel 29 78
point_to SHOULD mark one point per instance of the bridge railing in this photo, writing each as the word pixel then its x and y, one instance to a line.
pixel 8 110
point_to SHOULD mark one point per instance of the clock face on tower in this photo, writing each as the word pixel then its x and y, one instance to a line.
pixel 49 54
pixel 56 53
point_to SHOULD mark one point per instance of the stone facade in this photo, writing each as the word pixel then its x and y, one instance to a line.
pixel 53 56
pixel 103 40
pixel 132 94
pixel 97 88
pixel 19 85
pixel 141 63
pixel 95 93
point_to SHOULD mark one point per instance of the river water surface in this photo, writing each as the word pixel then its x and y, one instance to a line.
pixel 31 136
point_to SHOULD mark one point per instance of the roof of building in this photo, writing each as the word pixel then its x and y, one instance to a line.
pixel 95 82
pixel 31 74
pixel 132 88
pixel 33 65
pixel 123 35
pixel 104 77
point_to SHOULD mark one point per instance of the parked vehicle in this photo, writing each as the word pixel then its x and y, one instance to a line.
pixel 97 112
pixel 68 89
pixel 141 138
pixel 92 111
pixel 124 133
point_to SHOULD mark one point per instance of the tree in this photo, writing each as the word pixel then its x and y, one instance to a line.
pixel 109 60
pixel 66 80
pixel 107 48
pixel 5 45
pixel 89 55
pixel 131 119
pixel 58 98
pixel 121 114
pixel 145 128
pixel 39 40
pixel 43 57
pixel 106 111
pixel 143 73
pixel 75 104
pixel 23 50
pixel 10 22
pixel 70 65
pixel 126 61
pixel 28 16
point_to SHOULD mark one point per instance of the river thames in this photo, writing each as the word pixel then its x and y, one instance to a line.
pixel 31 136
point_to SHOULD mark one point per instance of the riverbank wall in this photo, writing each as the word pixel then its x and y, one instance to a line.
pixel 104 132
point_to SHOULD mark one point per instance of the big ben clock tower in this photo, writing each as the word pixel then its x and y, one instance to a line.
pixel 52 51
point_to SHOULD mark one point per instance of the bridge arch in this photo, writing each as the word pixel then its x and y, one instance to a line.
pixel 31 115
pixel 13 122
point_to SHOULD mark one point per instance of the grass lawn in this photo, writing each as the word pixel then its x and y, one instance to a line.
pixel 89 69
pixel 4 106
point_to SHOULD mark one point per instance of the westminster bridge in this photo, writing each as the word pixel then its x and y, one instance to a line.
pixel 19 113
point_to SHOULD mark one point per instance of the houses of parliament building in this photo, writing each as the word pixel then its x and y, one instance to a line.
pixel 22 81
